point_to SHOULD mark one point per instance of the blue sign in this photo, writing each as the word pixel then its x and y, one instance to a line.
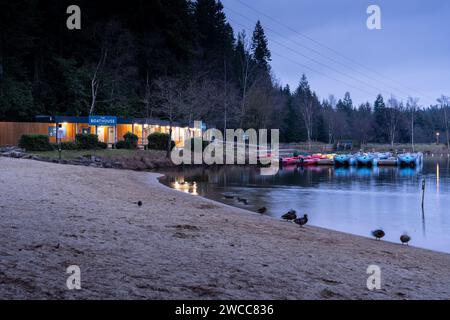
pixel 61 132
pixel 102 121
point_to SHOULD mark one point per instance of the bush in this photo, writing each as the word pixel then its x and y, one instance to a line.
pixel 35 142
pixel 121 144
pixel 87 140
pixel 69 145
pixel 131 140
pixel 102 145
pixel 158 141
pixel 190 142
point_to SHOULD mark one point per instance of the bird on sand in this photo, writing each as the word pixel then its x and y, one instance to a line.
pixel 302 221
pixel 262 210
pixel 404 238
pixel 139 203
pixel 378 234
pixel 290 215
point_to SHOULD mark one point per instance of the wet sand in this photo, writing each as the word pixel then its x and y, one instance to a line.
pixel 178 246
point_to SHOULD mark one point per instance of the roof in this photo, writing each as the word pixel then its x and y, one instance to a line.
pixel 72 119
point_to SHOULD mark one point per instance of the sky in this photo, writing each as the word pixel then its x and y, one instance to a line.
pixel 329 41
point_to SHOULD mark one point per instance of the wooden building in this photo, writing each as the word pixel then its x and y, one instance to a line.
pixel 109 129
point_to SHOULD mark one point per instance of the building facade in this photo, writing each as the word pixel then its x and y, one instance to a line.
pixel 109 129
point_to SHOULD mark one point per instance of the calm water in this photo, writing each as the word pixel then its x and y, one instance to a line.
pixel 351 200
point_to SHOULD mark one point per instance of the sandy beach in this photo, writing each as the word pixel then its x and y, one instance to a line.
pixel 178 246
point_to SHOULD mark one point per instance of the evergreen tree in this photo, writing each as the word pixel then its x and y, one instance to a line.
pixel 260 47
pixel 379 110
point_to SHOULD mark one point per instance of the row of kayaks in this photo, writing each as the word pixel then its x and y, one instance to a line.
pixel 358 159
pixel 305 160
pixel 378 158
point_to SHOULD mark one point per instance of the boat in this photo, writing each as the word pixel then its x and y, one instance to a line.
pixel 384 155
pixel 409 159
pixel 308 161
pixel 344 160
pixel 289 161
pixel 366 160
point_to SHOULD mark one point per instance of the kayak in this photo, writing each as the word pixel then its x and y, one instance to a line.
pixel 344 160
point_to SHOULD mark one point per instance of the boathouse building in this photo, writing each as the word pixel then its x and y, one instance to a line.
pixel 109 129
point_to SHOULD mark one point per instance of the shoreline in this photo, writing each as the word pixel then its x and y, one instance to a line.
pixel 246 211
pixel 179 246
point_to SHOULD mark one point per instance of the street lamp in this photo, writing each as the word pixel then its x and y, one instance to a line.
pixel 437 137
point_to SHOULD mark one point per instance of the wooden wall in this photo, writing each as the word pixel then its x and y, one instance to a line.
pixel 10 132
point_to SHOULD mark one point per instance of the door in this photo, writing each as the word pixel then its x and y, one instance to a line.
pixel 111 135
pixel 101 134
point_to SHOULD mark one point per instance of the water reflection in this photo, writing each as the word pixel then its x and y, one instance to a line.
pixel 354 200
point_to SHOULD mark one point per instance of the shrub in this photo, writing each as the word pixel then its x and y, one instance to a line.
pixel 121 144
pixel 69 145
pixel 35 142
pixel 131 140
pixel 102 145
pixel 158 141
pixel 87 140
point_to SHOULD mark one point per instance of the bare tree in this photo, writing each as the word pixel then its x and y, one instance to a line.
pixel 96 79
pixel 147 99
pixel 392 113
pixel 412 105
pixel 329 116
pixel 246 70
pixel 170 96
pixel 445 102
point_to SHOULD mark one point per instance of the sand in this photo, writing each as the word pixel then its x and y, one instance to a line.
pixel 179 246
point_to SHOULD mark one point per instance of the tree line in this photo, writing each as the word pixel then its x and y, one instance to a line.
pixel 179 60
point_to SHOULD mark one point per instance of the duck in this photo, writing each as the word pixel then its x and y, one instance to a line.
pixel 139 203
pixel 243 200
pixel 302 221
pixel 262 210
pixel 290 215
pixel 404 238
pixel 378 234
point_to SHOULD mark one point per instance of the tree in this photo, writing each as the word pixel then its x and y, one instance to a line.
pixel 411 105
pixel 363 122
pixel 329 115
pixel 379 114
pixel 305 101
pixel 170 96
pixel 245 70
pixel 392 114
pixel 445 102
pixel 260 48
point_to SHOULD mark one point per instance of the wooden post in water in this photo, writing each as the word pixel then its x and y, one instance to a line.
pixel 423 193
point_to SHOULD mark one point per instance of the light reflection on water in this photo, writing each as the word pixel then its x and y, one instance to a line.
pixel 353 200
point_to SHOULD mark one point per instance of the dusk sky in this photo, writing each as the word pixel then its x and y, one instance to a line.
pixel 412 48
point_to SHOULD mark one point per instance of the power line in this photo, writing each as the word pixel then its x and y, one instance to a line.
pixel 379 90
pixel 331 49
pixel 391 88
pixel 324 74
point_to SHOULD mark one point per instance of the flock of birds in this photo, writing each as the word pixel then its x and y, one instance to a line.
pixel 291 216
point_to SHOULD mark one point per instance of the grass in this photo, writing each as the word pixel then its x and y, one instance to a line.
pixel 103 153
pixel 419 147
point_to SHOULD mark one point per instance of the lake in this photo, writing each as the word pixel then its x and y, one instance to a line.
pixel 352 200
